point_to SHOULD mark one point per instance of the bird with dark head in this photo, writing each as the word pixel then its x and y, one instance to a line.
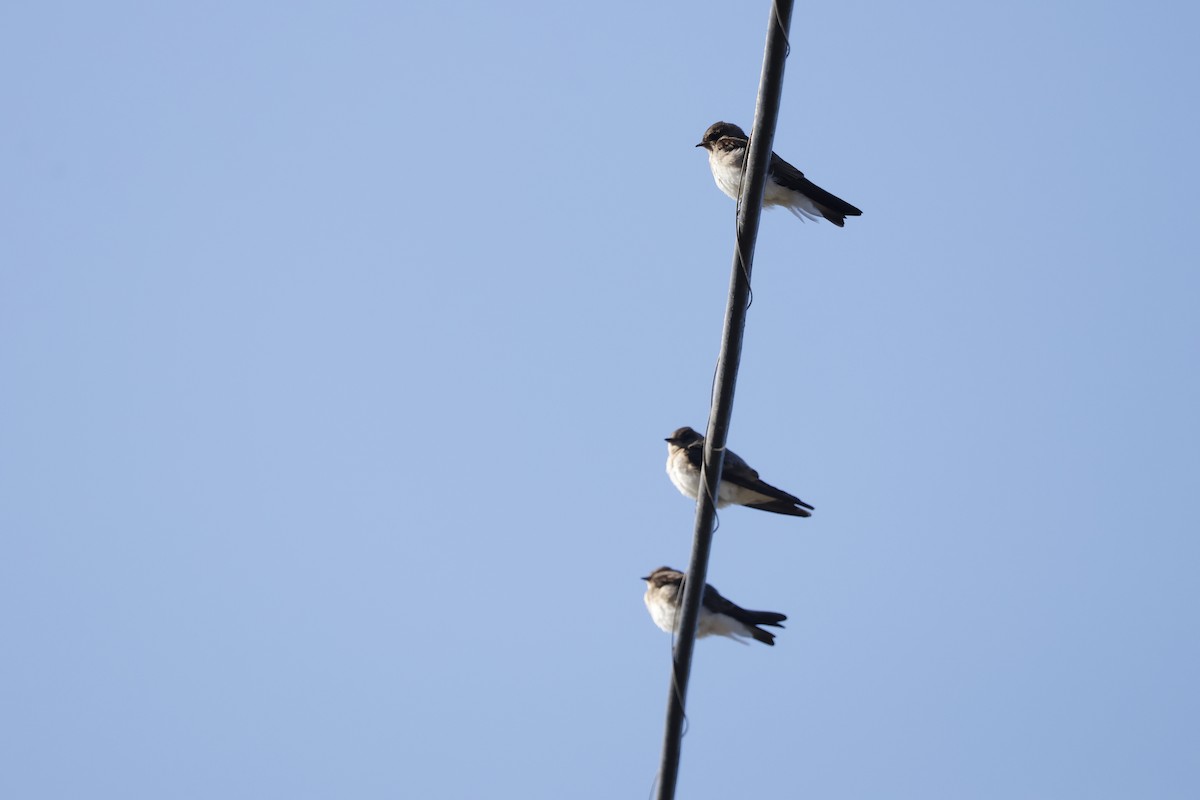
pixel 718 616
pixel 740 484
pixel 786 186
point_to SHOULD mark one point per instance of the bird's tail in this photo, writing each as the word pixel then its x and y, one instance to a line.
pixel 772 618
pixel 766 637
pixel 752 619
pixel 783 507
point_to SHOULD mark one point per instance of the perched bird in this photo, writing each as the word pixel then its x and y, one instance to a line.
pixel 740 484
pixel 786 186
pixel 718 616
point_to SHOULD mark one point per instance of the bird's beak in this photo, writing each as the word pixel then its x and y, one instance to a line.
pixel 702 144
pixel 669 439
pixel 645 578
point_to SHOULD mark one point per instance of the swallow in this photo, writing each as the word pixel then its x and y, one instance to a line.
pixel 740 484
pixel 786 186
pixel 718 616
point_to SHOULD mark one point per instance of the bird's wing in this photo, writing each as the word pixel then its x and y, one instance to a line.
pixel 739 473
pixel 695 454
pixel 788 176
pixel 718 604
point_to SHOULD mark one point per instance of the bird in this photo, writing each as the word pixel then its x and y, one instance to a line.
pixel 740 484
pixel 786 186
pixel 718 616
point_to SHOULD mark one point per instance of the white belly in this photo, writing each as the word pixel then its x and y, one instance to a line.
pixel 728 177
pixel 688 483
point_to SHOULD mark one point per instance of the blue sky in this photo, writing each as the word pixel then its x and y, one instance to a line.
pixel 339 342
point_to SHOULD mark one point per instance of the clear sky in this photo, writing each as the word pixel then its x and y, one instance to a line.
pixel 338 342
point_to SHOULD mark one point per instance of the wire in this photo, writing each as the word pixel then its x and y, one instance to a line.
pixel 754 177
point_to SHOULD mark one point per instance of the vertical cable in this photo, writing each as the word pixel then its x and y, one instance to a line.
pixel 754 181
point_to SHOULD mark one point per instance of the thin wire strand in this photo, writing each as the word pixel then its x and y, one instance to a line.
pixel 737 213
pixel 787 43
